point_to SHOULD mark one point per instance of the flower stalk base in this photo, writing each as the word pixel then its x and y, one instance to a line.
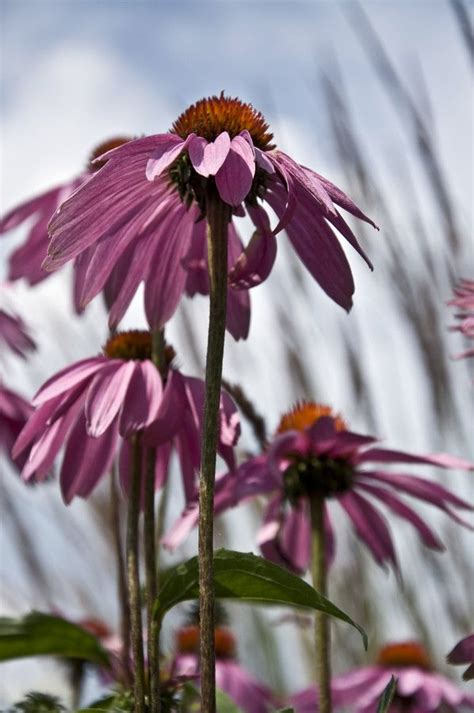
pixel 133 573
pixel 321 632
pixel 218 216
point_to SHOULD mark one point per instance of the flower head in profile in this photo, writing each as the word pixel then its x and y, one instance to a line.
pixel 463 653
pixel 232 678
pixel 144 214
pixel 463 300
pixel 14 334
pixel 96 405
pixel 314 453
pixel 420 689
pixel 26 261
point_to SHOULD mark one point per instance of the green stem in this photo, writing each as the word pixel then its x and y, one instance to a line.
pixel 151 584
pixel 151 587
pixel 133 571
pixel 218 216
pixel 321 632
pixel 121 578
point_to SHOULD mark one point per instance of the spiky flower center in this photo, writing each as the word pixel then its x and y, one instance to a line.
pixel 135 345
pixel 211 116
pixel 311 474
pixel 305 414
pixel 187 641
pixel 102 148
pixel 405 654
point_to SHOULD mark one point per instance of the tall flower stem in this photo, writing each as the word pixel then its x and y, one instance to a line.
pixel 218 215
pixel 321 632
pixel 158 351
pixel 121 577
pixel 133 572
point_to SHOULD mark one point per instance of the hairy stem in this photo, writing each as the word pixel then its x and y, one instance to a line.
pixel 321 632
pixel 158 350
pixel 121 578
pixel 133 571
pixel 218 215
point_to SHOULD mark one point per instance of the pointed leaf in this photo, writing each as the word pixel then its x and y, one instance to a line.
pixel 387 696
pixel 246 577
pixel 39 634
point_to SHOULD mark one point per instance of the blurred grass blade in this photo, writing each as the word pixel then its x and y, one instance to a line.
pixel 387 696
pixel 39 634
pixel 246 577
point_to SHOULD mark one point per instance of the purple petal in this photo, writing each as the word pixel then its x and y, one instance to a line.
pixel 163 455
pixel 195 261
pixel 428 537
pixel 234 178
pixel 284 186
pixel 208 157
pixel 255 263
pixel 46 448
pixel 68 378
pixel 284 538
pixel 347 443
pixel 164 291
pixel 370 527
pixel 463 652
pixel 86 460
pixel 238 313
pixel 307 182
pixel 340 224
pixel 169 417
pixel 317 246
pixel 427 490
pixel 340 198
pixel 142 399
pixel 105 396
pixel 385 455
pixel 44 203
pixel 165 155
pixel 263 161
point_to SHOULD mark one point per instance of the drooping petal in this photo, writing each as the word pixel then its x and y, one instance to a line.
pixel 105 396
pixel 68 378
pixel 386 455
pixel 276 537
pixel 142 399
pixel 316 246
pixel 234 178
pixel 163 455
pixel 340 198
pixel 428 537
pixel 169 417
pixel 164 291
pixel 426 490
pixel 86 460
pixel 208 157
pixel 165 155
pixel 46 448
pixel 308 182
pixel 255 263
pixel 370 527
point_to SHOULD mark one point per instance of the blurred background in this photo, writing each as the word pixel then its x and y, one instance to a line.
pixel 377 97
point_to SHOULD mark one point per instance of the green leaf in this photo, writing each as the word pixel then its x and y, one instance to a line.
pixel 39 634
pixel 246 577
pixel 387 696
pixel 225 704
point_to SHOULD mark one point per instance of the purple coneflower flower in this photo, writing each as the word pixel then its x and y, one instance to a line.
pixel 419 688
pixel 143 214
pixel 250 695
pixel 463 653
pixel 14 335
pixel 464 301
pixel 26 262
pixel 96 405
pixel 14 413
pixel 313 452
